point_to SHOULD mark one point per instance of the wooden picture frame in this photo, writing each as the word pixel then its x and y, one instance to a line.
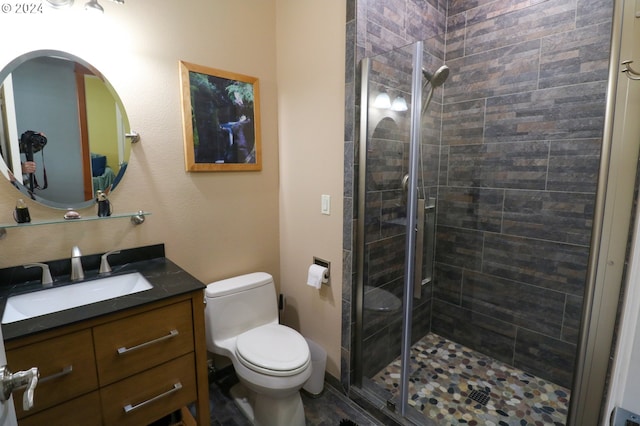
pixel 221 120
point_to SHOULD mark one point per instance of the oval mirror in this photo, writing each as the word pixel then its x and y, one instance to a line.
pixel 60 113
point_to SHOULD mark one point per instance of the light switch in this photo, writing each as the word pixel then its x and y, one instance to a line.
pixel 326 204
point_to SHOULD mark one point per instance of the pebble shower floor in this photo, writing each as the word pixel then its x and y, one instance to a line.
pixel 453 385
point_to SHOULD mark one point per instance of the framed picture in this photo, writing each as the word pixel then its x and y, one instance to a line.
pixel 221 119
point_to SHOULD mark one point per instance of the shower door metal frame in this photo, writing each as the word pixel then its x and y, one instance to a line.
pixel 606 268
pixel 362 191
pixel 411 227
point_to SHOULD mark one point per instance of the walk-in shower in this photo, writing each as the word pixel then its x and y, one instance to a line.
pixel 522 170
pixel 471 250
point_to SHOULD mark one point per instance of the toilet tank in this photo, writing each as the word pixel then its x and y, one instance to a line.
pixel 241 303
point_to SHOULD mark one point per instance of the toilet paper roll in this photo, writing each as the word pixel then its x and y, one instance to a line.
pixel 317 275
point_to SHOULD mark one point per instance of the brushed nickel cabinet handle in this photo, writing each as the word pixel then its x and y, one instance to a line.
pixel 66 370
pixel 123 350
pixel 129 408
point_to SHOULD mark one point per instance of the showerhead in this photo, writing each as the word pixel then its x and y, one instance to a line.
pixel 437 78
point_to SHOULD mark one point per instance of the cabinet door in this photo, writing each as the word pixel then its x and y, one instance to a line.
pixel 66 365
pixel 150 395
pixel 81 411
pixel 139 342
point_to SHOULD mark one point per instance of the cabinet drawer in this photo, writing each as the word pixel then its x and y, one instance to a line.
pixel 150 395
pixel 138 342
pixel 66 369
pixel 81 411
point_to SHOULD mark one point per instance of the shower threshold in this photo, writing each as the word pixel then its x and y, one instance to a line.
pixel 452 384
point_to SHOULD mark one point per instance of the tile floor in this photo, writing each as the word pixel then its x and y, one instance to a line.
pixel 445 375
pixel 329 409
pixel 452 384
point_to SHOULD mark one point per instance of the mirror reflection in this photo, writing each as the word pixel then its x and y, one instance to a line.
pixel 62 130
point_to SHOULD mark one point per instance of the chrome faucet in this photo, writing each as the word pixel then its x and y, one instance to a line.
pixel 105 268
pixel 47 281
pixel 76 264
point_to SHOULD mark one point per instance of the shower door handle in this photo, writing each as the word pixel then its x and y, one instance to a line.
pixel 425 232
pixel 417 279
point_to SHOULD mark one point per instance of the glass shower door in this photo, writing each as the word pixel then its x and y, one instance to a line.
pixel 396 226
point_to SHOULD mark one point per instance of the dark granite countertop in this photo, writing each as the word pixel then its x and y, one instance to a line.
pixel 167 278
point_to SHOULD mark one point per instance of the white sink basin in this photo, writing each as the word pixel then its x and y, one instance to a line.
pixel 29 305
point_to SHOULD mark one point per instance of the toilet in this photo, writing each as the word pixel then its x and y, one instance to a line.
pixel 272 361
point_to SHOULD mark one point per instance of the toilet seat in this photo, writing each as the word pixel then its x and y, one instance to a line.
pixel 273 349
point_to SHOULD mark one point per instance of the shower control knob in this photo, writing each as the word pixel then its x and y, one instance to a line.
pixel 12 381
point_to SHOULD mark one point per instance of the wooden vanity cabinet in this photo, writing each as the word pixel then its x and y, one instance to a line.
pixel 131 367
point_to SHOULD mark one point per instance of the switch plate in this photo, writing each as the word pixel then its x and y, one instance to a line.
pixel 325 201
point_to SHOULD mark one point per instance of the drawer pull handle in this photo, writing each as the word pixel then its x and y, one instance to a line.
pixel 66 370
pixel 124 350
pixel 176 387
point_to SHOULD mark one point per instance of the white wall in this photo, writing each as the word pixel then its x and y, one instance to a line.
pixel 214 224
pixel 311 54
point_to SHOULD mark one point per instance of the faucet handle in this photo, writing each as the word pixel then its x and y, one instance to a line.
pixel 105 268
pixel 47 281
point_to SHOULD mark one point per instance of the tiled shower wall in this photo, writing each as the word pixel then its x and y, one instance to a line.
pixel 522 128
pixel 523 114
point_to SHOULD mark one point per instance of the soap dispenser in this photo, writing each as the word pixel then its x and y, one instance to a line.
pixel 104 206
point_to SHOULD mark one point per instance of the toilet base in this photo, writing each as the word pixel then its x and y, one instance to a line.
pixel 240 396
pixel 262 410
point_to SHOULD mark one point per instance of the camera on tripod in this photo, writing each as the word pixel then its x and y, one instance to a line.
pixel 32 142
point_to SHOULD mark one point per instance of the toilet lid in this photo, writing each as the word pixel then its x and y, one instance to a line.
pixel 273 349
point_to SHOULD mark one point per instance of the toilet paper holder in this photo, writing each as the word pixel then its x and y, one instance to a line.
pixel 324 264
